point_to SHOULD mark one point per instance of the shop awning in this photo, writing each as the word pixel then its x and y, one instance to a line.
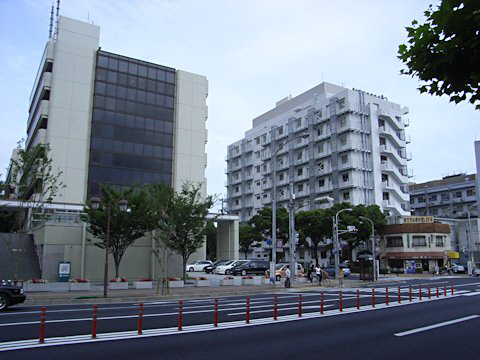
pixel 415 255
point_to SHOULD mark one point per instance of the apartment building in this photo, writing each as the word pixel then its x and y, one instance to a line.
pixel 451 200
pixel 110 119
pixel 330 141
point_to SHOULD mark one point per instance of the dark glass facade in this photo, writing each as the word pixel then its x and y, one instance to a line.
pixel 132 123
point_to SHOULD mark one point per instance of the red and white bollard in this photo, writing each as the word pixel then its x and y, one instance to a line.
pixel 140 318
pixel 180 315
pixel 373 297
pixel 358 299
pixel 410 293
pixel 429 297
pixel 215 313
pixel 41 338
pixel 275 302
pixel 444 291
pixel 399 295
pixel 420 292
pixel 437 291
pixel 94 321
pixel 299 305
pixel 247 319
pixel 386 296
pixel 452 289
pixel 321 303
pixel 340 305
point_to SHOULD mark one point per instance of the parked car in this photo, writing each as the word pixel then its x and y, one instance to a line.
pixel 10 295
pixel 476 272
pixel 251 267
pixel 198 265
pixel 209 269
pixel 281 267
pixel 227 268
pixel 331 271
pixel 457 268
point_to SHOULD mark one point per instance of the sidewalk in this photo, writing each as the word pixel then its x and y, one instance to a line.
pixel 95 296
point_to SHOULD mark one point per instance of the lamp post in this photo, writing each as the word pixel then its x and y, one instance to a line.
pixel 335 227
pixel 374 278
pixel 469 240
pixel 274 205
pixel 122 205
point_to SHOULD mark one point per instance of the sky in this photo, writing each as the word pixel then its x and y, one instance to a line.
pixel 254 53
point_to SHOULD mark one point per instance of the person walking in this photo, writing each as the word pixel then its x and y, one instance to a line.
pixel 287 277
pixel 318 274
pixel 341 275
pixel 311 269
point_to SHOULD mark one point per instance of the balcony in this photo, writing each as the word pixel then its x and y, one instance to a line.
pixel 40 138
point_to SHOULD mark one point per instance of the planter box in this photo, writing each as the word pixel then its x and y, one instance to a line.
pixel 227 282
pixel 80 286
pixel 202 283
pixel 254 281
pixel 118 285
pixel 54 286
pixel 143 284
pixel 176 284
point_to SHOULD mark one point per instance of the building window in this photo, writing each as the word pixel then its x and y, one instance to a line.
pixel 343 121
pixel 470 192
pixel 257 169
pixel 345 177
pixel 434 212
pixel 344 159
pixel 281 177
pixel 237 189
pixel 257 154
pixel 394 241
pixel 421 199
pixel 300 172
pixel 433 198
pixel 320 147
pixel 439 241
pixel 257 183
pixel 419 240
pixel 457 194
pixel 343 139
pixel 346 196
pixel 236 202
pixel 257 140
pixel 321 182
pixel 299 155
pixel 320 131
pixel 280 130
pixel 300 187
pixel 258 197
pixel 264 138
pixel 386 196
pixel 298 123
pixel 445 197
pixel 383 141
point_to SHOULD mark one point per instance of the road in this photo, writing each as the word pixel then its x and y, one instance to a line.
pixel 371 332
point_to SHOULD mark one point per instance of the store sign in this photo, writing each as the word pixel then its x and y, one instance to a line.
pixel 279 245
pixel 63 271
pixel 453 255
pixel 417 219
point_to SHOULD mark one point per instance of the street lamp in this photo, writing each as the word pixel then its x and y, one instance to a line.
pixel 274 205
pixel 336 233
pixel 374 278
pixel 123 206
pixel 469 240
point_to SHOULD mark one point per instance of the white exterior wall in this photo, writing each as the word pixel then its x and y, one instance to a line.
pixel 341 122
pixel 70 105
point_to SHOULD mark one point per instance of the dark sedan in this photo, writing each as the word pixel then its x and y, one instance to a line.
pixel 257 267
pixel 10 295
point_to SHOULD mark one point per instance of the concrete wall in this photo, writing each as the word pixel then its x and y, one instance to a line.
pixel 227 240
pixel 70 105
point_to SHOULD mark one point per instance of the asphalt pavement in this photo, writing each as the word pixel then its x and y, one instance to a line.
pixel 374 324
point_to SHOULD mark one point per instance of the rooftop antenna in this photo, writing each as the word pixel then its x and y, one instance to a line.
pixel 58 15
pixel 50 31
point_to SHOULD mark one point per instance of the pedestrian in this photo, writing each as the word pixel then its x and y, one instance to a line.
pixel 341 275
pixel 287 277
pixel 437 270
pixel 311 269
pixel 319 273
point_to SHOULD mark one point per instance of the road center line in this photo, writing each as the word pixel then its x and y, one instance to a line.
pixel 430 327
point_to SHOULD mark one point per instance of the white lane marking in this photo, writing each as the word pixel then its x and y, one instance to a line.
pixel 280 309
pixel 430 327
pixel 472 293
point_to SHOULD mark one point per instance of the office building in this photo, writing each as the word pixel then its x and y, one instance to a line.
pixel 110 119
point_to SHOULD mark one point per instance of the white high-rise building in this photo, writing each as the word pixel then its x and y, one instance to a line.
pixel 355 152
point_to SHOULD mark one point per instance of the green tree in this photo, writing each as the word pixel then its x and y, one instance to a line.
pixel 33 183
pixel 185 222
pixel 444 52
pixel 211 240
pixel 262 223
pixel 316 225
pixel 248 237
pixel 125 227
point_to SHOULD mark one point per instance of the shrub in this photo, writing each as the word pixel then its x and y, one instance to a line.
pixel 383 271
pixel 79 280
pixel 146 279
pixel 419 270
pixel 39 281
pixel 247 277
pixel 119 280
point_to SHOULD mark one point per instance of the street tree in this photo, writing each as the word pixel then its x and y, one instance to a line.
pixel 262 223
pixel 185 223
pixel 125 227
pixel 248 237
pixel 316 225
pixel 444 52
pixel 33 183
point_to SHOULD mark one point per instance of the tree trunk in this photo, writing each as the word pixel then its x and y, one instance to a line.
pixel 117 266
pixel 315 252
pixel 184 268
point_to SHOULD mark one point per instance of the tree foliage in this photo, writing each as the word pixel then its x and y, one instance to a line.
pixel 248 237
pixel 444 52
pixel 125 227
pixel 184 221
